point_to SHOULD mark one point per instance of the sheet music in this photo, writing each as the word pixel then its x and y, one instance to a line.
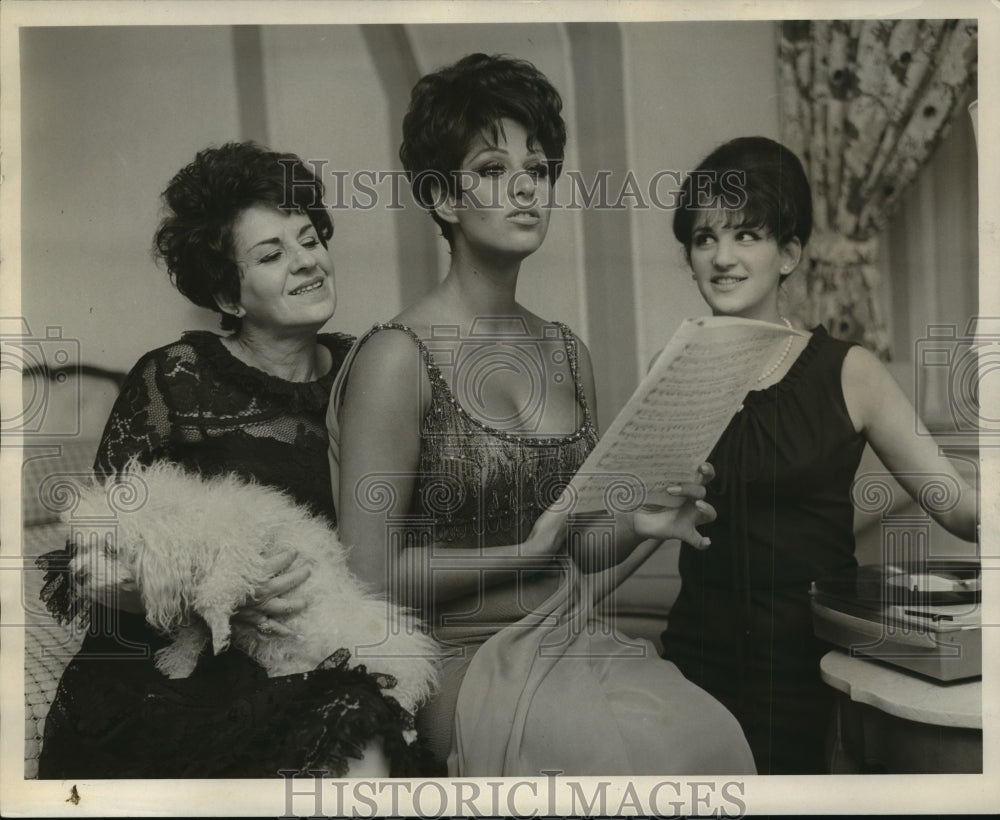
pixel 677 413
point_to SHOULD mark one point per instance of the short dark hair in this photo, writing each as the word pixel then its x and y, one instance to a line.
pixel 452 106
pixel 761 177
pixel 203 202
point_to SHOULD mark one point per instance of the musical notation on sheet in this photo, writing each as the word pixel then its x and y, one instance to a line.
pixel 677 413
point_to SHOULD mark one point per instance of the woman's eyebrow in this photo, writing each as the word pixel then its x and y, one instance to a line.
pixel 270 241
pixel 489 149
pixel 275 240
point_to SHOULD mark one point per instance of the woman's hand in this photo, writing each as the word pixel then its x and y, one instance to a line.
pixel 662 522
pixel 270 603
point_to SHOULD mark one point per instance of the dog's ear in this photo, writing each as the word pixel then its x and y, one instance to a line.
pixel 164 581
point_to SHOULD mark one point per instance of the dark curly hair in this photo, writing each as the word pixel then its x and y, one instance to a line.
pixel 761 181
pixel 455 104
pixel 203 201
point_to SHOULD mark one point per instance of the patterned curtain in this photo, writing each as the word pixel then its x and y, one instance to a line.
pixel 864 103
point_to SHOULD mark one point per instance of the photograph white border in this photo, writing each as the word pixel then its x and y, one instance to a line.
pixel 847 794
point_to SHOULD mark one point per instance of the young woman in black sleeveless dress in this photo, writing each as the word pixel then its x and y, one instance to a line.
pixel 741 627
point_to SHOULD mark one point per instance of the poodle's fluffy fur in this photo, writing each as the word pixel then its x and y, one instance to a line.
pixel 195 548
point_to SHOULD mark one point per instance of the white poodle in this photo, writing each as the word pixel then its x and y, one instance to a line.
pixel 194 548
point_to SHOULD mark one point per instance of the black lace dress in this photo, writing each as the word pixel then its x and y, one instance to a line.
pixel 114 714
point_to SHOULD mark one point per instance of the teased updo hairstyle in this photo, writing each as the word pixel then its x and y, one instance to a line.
pixel 452 106
pixel 759 180
pixel 203 201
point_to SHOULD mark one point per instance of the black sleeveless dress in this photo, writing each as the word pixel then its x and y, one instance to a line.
pixel 114 714
pixel 741 627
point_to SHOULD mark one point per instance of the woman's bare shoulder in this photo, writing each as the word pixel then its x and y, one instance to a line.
pixel 387 349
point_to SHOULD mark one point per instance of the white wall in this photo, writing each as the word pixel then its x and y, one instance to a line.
pixel 109 114
pixel 683 104
pixel 324 102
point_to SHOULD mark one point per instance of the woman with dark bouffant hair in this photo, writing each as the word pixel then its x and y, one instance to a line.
pixel 246 235
pixel 455 427
pixel 741 627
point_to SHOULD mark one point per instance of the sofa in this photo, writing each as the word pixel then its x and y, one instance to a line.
pixel 65 411
pixel 77 402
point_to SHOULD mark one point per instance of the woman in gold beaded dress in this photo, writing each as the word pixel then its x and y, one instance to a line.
pixel 455 426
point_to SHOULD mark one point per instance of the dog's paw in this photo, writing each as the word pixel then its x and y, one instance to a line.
pixel 217 619
pixel 176 661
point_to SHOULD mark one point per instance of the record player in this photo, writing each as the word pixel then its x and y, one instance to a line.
pixel 920 616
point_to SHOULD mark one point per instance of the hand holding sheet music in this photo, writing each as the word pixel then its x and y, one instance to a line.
pixel 677 413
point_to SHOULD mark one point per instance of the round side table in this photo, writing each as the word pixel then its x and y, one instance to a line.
pixel 896 722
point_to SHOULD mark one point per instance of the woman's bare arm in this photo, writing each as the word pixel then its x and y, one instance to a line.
pixel 883 414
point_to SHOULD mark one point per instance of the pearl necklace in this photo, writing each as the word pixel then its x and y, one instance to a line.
pixel 777 364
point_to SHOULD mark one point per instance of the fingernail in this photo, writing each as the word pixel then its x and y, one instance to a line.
pixel 701 505
pixel 675 490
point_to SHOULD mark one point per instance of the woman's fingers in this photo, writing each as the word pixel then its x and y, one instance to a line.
pixel 705 515
pixel 706 472
pixel 653 521
pixel 284 578
pixel 280 563
pixel 688 490
pixel 285 583
pixel 258 620
pixel 281 607
pixel 706 511
pixel 270 602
